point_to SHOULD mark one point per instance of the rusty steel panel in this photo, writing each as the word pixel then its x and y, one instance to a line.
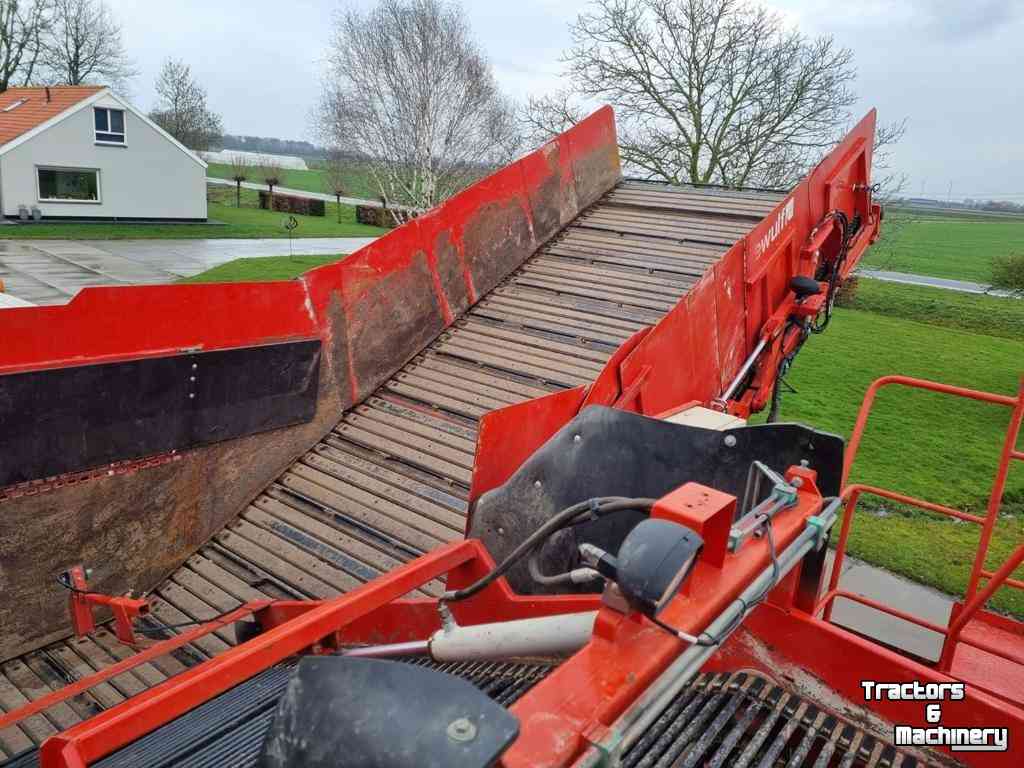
pixel 373 312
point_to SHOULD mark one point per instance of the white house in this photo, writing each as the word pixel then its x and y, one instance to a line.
pixel 84 152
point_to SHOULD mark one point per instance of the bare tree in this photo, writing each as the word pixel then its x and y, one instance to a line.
pixel 409 88
pixel 706 91
pixel 182 110
pixel 240 170
pixel 335 176
pixel 85 45
pixel 23 23
pixel 271 173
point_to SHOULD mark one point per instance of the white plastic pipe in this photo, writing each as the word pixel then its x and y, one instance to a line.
pixel 546 636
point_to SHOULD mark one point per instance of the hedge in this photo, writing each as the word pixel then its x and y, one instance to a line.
pixel 305 206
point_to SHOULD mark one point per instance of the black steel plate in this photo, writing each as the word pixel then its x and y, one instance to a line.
pixel 83 417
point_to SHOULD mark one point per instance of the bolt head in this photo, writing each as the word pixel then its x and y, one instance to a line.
pixel 461 730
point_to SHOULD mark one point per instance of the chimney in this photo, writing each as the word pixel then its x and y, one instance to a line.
pixel 47 94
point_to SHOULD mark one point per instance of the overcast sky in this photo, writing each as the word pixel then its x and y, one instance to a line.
pixel 952 67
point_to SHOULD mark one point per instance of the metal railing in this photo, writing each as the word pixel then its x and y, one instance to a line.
pixel 974 600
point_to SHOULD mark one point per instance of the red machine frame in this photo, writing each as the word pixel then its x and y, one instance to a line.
pixel 737 313
pixel 974 600
pixel 578 705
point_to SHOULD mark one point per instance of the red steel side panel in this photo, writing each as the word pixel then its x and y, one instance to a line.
pixel 112 324
pixel 439 264
pixel 508 436
pixel 593 148
pixel 607 386
pixel 730 309
pixel 682 353
pixel 384 303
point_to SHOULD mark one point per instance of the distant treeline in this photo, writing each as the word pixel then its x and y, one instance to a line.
pixel 996 206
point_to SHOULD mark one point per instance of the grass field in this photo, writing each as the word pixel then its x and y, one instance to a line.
pixel 260 269
pixel 358 182
pixel 945 246
pixel 225 221
pixel 933 447
pixel 990 315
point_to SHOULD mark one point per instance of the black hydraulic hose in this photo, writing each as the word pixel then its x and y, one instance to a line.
pixel 591 508
pixel 834 274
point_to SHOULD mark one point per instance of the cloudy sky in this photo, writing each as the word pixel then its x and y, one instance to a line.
pixel 953 68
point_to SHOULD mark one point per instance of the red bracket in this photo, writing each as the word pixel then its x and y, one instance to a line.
pixel 707 511
pixel 82 601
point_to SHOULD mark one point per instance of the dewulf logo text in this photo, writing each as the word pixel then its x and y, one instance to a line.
pixel 781 221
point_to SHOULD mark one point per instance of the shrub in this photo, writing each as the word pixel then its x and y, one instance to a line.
pixel 377 216
pixel 1008 272
pixel 846 296
pixel 304 206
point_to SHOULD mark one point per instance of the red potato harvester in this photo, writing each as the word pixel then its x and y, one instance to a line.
pixel 644 578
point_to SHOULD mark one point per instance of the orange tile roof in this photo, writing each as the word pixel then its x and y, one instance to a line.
pixel 37 109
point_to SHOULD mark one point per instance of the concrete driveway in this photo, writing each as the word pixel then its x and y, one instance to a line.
pixel 53 271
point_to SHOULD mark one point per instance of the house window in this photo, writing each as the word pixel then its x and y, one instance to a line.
pixel 69 185
pixel 109 125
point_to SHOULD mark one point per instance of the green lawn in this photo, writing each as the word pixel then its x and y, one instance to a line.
pixel 991 315
pixel 265 269
pixel 358 182
pixel 225 221
pixel 930 446
pixel 945 246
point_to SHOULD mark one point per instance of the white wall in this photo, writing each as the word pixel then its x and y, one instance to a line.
pixel 149 178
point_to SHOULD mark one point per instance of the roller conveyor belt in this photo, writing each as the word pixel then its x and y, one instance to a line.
pixel 391 480
pixel 738 720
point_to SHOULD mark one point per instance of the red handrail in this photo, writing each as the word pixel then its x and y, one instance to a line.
pixel 975 605
pixel 975 601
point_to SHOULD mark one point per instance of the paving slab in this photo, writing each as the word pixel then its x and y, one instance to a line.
pixel 53 271
pixel 897 592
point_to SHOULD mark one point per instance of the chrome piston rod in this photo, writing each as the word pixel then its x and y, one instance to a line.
pixel 747 365
pixel 545 636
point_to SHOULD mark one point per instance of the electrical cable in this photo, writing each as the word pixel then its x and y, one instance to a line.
pixel 161 626
pixel 747 606
pixel 72 588
pixel 784 365
pixel 591 509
